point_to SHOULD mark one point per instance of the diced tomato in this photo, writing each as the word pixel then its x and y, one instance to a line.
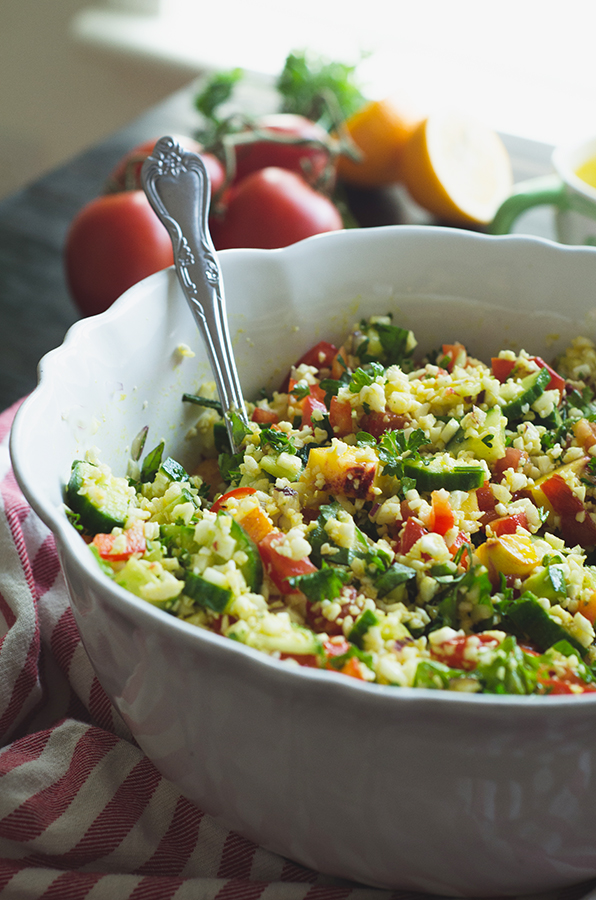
pixel 551 684
pixel 340 417
pixel 320 356
pixel 335 646
pixel 441 514
pixel 509 524
pixel 310 660
pixel 585 432
pixel 134 542
pixel 561 496
pixel 485 498
pixel 236 493
pixel 456 354
pixel 338 366
pixel 461 539
pixel 574 532
pixel 457 652
pixel 412 531
pixel 502 368
pixel 511 460
pixel 588 608
pixel 309 405
pixel 264 416
pixel 556 381
pixel 377 423
pixel 280 567
pixel 353 668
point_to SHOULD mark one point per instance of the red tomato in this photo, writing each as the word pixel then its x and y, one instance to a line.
pixel 412 531
pixel 273 208
pixel 561 496
pixel 340 417
pixel 502 369
pixel 127 174
pixel 511 460
pixel 486 498
pixel 279 567
pixel 238 493
pixel 134 543
pixel 456 354
pixel 441 515
pixel 320 356
pixel 264 416
pixel 309 405
pixel 309 161
pixel 114 242
pixel 508 524
pixel 454 652
pixel 377 423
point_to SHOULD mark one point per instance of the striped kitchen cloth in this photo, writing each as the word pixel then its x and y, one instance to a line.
pixel 83 813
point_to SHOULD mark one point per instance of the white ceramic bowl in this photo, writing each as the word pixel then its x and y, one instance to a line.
pixel 404 788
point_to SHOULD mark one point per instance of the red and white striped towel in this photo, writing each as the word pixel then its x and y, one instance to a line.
pixel 83 813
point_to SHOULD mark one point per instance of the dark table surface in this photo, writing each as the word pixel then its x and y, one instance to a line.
pixel 35 307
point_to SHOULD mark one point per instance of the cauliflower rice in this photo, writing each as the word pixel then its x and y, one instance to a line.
pixel 416 522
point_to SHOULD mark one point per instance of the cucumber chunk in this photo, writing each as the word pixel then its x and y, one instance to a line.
pixel 101 500
pixel 490 443
pixel 533 386
pixel 205 593
pixel 433 473
pixel 534 622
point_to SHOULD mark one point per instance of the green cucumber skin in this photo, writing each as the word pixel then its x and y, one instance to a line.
pixel 536 385
pixel 93 519
pixel 460 478
pixel 532 620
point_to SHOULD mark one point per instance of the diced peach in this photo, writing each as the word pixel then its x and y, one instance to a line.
pixel 256 523
pixel 509 554
pixel 341 469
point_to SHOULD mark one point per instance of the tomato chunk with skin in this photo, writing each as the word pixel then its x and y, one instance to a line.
pixel 236 493
pixel 377 423
pixel 340 417
pixel 320 356
pixel 561 496
pixel 511 460
pixel 509 524
pixel 264 416
pixel 502 369
pixel 280 567
pixel 310 406
pixel 120 547
pixel 441 515
pixel 412 531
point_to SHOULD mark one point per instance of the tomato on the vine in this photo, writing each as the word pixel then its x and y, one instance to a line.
pixel 282 144
pixel 115 241
pixel 126 176
pixel 271 208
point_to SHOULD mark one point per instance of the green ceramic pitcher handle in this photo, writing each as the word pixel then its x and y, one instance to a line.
pixel 547 190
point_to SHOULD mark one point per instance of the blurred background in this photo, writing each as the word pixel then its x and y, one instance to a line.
pixel 74 71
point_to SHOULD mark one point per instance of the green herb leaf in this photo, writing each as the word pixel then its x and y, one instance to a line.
pixel 206 402
pixel 217 91
pixel 152 462
pixel 324 584
pixel 364 377
pixel 307 80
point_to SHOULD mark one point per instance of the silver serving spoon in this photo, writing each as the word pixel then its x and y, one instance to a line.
pixel 177 186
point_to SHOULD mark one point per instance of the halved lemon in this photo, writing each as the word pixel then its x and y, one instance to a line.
pixel 457 168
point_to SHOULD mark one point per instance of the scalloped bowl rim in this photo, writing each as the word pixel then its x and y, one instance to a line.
pixel 120 597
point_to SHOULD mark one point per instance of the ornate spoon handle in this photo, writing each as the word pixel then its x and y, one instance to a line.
pixel 177 186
